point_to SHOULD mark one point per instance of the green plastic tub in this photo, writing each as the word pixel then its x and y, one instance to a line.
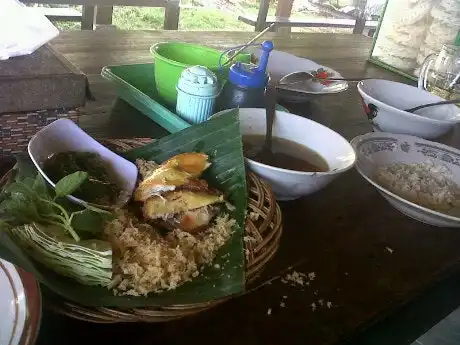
pixel 171 58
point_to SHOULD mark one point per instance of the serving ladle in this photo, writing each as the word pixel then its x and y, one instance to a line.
pixel 266 154
pixel 451 101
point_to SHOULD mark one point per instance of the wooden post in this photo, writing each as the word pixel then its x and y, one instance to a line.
pixel 104 15
pixel 284 9
pixel 262 15
pixel 88 20
pixel 172 13
pixel 360 24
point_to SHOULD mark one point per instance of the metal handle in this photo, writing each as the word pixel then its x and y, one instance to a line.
pixel 247 44
pixel 452 101
pixel 270 110
pixel 424 70
pixel 353 80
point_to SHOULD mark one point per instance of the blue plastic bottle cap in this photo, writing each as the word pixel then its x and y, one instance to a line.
pixel 250 75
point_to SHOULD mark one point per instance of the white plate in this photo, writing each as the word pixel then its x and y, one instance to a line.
pixel 376 149
pixel 20 306
pixel 282 63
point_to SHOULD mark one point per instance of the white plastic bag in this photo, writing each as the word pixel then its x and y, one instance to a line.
pixel 22 29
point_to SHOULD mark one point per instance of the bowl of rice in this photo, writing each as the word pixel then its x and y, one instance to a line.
pixel 420 178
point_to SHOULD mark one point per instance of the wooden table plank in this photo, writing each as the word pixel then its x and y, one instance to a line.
pixel 368 258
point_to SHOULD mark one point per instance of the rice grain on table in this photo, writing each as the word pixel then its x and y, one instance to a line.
pixel 426 184
pixel 145 261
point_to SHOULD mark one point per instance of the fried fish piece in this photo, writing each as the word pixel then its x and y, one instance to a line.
pixel 192 221
pixel 178 201
pixel 180 170
pixel 163 179
pixel 192 162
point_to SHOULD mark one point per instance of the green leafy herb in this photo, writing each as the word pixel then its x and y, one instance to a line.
pixel 89 221
pixel 70 183
pixel 23 168
pixel 27 200
pixel 40 187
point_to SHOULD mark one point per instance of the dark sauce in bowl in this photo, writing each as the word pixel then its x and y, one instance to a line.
pixel 286 154
pixel 99 188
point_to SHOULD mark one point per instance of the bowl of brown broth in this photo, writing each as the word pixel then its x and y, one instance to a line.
pixel 306 156
pixel 286 154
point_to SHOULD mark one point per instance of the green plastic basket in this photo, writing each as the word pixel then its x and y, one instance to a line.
pixel 171 58
pixel 135 84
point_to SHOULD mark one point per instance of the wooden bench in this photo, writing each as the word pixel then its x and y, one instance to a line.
pixel 100 11
pixel 308 22
pixel 283 18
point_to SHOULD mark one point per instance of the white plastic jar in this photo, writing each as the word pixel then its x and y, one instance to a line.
pixel 197 90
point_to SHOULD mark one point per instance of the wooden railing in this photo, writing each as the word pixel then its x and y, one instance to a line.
pixel 371 25
pixel 283 18
pixel 100 11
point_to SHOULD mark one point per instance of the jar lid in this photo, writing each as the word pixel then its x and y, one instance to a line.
pixel 198 81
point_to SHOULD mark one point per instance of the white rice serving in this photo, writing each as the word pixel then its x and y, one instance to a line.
pixel 426 184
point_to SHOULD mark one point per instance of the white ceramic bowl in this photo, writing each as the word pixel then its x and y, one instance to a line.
pixel 376 149
pixel 289 184
pixel 383 101
pixel 64 135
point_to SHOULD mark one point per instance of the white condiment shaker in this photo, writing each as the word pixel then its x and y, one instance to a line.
pixel 197 90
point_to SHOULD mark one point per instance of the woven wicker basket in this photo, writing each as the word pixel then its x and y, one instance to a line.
pixel 263 224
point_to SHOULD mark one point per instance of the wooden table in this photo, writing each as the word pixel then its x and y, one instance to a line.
pixel 369 260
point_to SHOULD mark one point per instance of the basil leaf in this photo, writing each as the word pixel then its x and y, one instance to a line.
pixel 24 192
pixel 15 208
pixel 40 187
pixel 4 225
pixel 89 221
pixel 18 188
pixel 27 207
pixel 24 167
pixel 70 183
pixel 28 181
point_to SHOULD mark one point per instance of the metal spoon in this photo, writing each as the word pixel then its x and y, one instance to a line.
pixel 266 154
pixel 452 101
pixel 252 40
pixel 303 76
